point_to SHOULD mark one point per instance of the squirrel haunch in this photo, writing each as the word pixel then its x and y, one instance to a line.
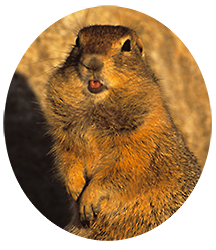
pixel 116 147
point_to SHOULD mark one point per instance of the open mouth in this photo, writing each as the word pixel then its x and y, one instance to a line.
pixel 95 86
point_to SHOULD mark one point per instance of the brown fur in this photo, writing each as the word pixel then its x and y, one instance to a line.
pixel 117 151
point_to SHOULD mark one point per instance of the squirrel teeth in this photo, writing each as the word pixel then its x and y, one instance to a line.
pixel 95 86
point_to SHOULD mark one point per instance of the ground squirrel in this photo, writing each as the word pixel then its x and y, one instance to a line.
pixel 116 148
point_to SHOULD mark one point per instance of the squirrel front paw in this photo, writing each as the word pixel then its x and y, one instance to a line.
pixel 75 186
pixel 90 203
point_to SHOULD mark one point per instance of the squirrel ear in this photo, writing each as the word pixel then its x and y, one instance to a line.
pixel 140 46
pixel 77 41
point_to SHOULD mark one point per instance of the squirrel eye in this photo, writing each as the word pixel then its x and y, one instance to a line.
pixel 77 42
pixel 126 46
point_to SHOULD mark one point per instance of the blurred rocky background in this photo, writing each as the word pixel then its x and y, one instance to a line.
pixel 36 202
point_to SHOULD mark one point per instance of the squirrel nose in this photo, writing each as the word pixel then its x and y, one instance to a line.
pixel 93 63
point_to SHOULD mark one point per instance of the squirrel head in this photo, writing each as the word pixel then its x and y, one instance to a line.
pixel 105 80
pixel 105 57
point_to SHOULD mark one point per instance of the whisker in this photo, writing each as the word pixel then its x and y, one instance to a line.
pixel 47 73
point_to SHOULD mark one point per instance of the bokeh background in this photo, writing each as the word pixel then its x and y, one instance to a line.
pixel 36 203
